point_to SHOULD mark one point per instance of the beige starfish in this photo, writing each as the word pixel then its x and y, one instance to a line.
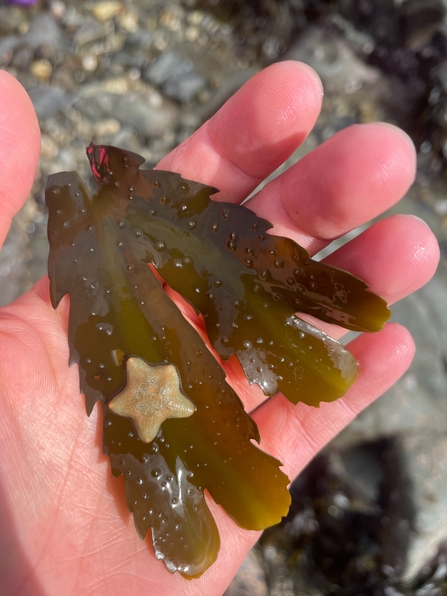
pixel 151 395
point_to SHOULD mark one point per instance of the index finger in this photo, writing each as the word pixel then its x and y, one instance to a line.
pixel 253 133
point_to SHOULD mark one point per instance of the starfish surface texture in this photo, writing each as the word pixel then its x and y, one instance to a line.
pixel 151 395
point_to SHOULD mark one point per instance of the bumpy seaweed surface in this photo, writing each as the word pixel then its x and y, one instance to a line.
pixel 172 425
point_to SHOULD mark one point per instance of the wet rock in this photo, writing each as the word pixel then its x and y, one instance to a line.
pixel 107 9
pixel 12 20
pixel 49 100
pixel 424 458
pixel 250 578
pixel 45 31
pixel 13 264
pixel 420 21
pixel 148 114
pixel 7 46
pixel 89 31
pixel 418 401
pixel 414 497
pixel 175 76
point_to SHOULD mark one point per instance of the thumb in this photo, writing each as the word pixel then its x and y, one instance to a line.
pixel 19 148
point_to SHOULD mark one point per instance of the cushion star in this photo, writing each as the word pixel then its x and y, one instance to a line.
pixel 151 395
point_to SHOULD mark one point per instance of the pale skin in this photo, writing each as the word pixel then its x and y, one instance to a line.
pixel 64 525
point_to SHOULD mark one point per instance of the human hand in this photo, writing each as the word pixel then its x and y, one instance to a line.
pixel 65 526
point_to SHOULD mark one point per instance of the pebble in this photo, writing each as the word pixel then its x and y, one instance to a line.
pixel 41 69
pixel 106 10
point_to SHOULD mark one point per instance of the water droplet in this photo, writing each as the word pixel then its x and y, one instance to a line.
pixel 290 281
pixel 249 262
pixel 121 224
pixel 279 263
pixel 66 224
pixel 156 472
pixel 138 233
pixel 160 246
pixel 257 287
pixel 120 244
pixel 247 345
pixel 156 184
pixel 165 200
pixel 214 227
pixel 192 225
pixel 140 481
pixel 217 283
pixel 130 267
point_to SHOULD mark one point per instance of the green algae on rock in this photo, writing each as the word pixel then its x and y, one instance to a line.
pixel 172 425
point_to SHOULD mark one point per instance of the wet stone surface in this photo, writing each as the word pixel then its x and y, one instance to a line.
pixel 368 514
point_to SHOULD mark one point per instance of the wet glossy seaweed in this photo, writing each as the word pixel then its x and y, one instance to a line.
pixel 248 285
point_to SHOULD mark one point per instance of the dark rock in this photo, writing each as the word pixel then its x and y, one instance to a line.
pixel 424 459
pixel 135 110
pixel 49 100
pixel 89 31
pixel 175 76
pixel 417 402
pixel 23 56
pixel 44 31
pixel 7 46
pixel 13 264
pixel 250 578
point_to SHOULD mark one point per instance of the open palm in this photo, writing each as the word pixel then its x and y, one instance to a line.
pixel 64 525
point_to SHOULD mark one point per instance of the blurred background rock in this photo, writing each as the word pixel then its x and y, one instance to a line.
pixel 369 514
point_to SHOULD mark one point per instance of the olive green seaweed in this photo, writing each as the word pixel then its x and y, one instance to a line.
pixel 248 286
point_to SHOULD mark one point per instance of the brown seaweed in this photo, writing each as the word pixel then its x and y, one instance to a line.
pixel 172 425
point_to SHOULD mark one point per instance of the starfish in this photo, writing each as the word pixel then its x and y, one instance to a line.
pixel 151 396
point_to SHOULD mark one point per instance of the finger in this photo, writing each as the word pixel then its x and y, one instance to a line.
pixel 294 434
pixel 396 256
pixel 348 180
pixel 253 133
pixel 19 148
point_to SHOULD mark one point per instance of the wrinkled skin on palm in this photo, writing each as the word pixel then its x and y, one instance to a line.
pixel 172 425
